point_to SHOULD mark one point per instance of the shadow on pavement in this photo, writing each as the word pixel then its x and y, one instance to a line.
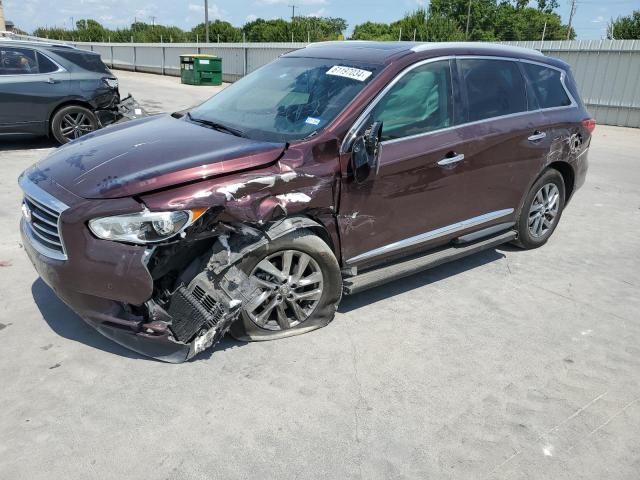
pixel 397 287
pixel 67 324
pixel 25 142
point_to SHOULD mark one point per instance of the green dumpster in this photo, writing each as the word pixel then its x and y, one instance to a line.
pixel 200 69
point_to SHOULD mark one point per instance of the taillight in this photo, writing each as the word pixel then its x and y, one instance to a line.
pixel 589 124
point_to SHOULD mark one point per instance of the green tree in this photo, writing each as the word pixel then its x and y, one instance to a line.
pixel 372 31
pixel 627 27
pixel 218 29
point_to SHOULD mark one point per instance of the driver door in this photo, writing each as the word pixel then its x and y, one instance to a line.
pixel 420 182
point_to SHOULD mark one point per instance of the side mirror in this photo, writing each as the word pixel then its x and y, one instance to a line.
pixel 366 150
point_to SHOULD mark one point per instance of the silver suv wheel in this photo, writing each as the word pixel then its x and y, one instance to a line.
pixel 292 285
pixel 544 210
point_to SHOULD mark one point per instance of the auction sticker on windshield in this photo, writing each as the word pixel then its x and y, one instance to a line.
pixel 349 72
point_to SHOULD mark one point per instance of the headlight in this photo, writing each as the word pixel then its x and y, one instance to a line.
pixel 144 227
pixel 111 82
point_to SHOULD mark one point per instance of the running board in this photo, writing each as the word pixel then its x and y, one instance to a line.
pixel 407 267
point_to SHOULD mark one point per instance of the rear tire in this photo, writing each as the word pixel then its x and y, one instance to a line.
pixel 72 122
pixel 308 298
pixel 541 210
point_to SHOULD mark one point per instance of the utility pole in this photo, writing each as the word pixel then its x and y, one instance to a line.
pixel 206 20
pixel 571 14
pixel 293 11
pixel 153 21
pixel 466 32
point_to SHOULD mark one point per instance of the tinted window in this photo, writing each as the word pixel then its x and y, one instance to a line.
pixel 17 61
pixel 494 88
pixel 421 101
pixel 45 65
pixel 87 61
pixel 547 86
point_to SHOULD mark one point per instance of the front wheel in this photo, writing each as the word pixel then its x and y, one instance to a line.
pixel 541 210
pixel 301 285
pixel 72 122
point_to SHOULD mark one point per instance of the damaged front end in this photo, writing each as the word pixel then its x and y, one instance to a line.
pixel 126 109
pixel 189 320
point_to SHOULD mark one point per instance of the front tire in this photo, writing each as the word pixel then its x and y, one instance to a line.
pixel 72 122
pixel 541 210
pixel 301 286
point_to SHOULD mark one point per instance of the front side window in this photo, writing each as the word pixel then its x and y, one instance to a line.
pixel 494 88
pixel 288 99
pixel 17 61
pixel 547 86
pixel 420 102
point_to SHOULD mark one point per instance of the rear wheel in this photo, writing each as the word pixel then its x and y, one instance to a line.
pixel 541 211
pixel 300 284
pixel 73 122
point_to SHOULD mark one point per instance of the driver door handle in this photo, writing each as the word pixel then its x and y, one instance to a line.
pixel 51 80
pixel 537 135
pixel 453 158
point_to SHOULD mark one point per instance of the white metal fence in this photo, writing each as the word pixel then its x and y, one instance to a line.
pixel 607 71
pixel 238 59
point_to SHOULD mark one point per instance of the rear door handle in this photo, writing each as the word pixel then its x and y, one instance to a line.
pixel 52 80
pixel 537 136
pixel 455 158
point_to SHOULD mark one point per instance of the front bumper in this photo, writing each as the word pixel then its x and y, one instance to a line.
pixel 112 318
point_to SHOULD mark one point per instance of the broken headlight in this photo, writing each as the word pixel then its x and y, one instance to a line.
pixel 111 82
pixel 143 227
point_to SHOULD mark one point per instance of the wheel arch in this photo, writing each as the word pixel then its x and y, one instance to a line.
pixel 568 176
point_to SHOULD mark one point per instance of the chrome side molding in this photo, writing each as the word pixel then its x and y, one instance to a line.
pixel 430 235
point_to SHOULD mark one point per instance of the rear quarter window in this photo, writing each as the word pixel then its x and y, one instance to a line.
pixel 547 86
pixel 86 61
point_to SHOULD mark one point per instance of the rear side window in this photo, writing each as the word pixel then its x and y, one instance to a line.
pixel 87 61
pixel 17 61
pixel 547 86
pixel 420 102
pixel 494 88
pixel 45 65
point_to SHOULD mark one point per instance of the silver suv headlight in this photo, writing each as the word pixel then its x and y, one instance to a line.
pixel 144 227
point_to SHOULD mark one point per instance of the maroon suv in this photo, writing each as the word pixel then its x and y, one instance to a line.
pixel 335 168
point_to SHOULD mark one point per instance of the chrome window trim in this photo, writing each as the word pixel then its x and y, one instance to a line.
pixel 49 202
pixel 430 235
pixel 60 69
pixel 351 134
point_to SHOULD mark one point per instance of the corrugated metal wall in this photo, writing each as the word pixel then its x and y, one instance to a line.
pixel 607 71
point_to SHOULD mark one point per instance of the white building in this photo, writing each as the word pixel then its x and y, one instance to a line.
pixel 3 27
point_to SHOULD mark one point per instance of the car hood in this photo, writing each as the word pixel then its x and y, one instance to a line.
pixel 149 154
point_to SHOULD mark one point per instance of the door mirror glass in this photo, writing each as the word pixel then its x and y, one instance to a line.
pixel 366 151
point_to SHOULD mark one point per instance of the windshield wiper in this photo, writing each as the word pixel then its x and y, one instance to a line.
pixel 217 126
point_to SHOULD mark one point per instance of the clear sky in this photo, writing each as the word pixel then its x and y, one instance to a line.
pixel 590 20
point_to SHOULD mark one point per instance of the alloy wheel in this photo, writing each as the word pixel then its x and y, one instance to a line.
pixel 291 285
pixel 544 210
pixel 76 124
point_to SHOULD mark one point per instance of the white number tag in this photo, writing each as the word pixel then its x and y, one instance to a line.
pixel 349 72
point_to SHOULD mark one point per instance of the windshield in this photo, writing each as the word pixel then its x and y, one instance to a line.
pixel 288 99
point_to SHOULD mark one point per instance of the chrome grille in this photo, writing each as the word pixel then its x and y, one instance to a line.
pixel 42 220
